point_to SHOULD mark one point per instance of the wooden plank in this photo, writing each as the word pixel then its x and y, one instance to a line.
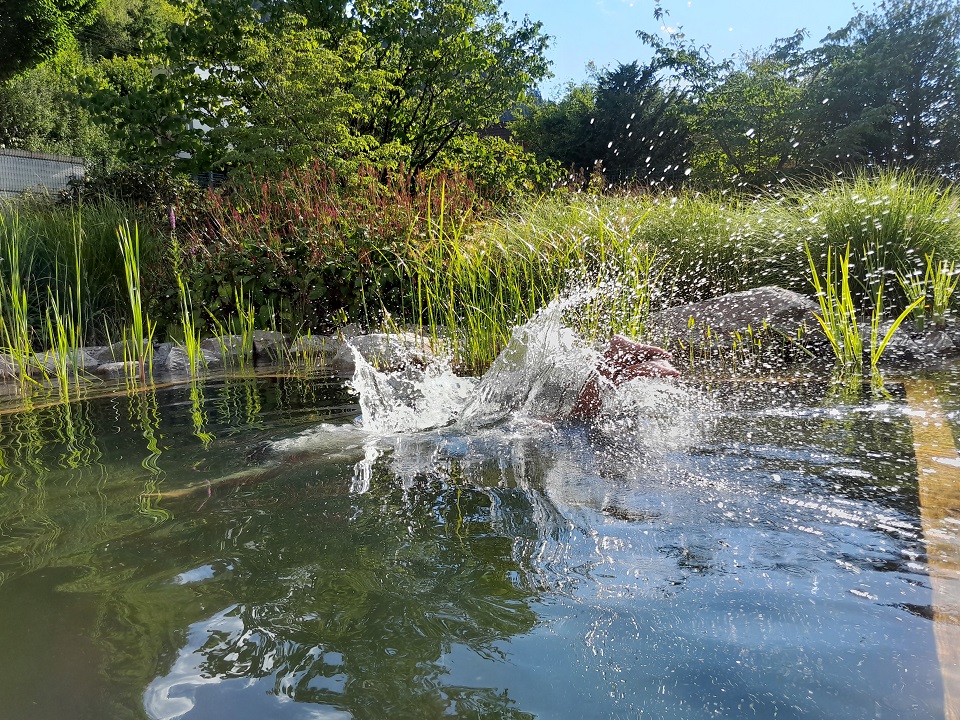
pixel 938 468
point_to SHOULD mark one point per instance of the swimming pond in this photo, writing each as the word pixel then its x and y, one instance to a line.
pixel 241 549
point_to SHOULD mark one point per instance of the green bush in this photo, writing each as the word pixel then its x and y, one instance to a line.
pixel 308 244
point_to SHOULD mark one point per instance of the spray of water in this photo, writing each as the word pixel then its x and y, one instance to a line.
pixel 536 379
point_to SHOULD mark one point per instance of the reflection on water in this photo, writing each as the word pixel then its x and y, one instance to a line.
pixel 756 552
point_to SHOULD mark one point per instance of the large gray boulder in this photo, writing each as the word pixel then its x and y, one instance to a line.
pixel 117 370
pixel 176 363
pixel 229 348
pixel 719 319
pixel 82 359
pixel 269 345
pixel 317 349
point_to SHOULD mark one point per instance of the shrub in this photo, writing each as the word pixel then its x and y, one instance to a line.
pixel 309 243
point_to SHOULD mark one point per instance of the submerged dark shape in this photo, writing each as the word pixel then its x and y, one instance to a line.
pixel 622 361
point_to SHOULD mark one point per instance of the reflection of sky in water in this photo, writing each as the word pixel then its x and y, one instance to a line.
pixel 189 683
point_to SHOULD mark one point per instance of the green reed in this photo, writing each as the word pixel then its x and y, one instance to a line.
pixel 138 338
pixel 188 323
pixel 838 313
pixel 838 318
pixel 65 327
pixel 15 324
pixel 943 280
pixel 237 327
pixel 914 285
pixel 878 341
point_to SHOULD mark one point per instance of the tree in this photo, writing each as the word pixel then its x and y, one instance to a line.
pixel 555 129
pixel 639 132
pixel 452 67
pixel 393 83
pixel 888 87
pixel 625 124
pixel 747 117
pixel 39 110
pixel 751 121
pixel 125 28
pixel 232 88
pixel 32 31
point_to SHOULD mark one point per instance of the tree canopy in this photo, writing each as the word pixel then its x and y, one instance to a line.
pixel 888 86
pixel 625 125
pixel 32 31
pixel 201 85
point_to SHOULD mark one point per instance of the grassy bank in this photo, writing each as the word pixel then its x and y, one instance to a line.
pixel 646 252
pixel 307 250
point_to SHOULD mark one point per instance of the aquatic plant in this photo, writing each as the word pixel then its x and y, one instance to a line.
pixel 49 234
pixel 838 318
pixel 14 315
pixel 188 323
pixel 943 279
pixel 838 314
pixel 138 338
pixel 914 285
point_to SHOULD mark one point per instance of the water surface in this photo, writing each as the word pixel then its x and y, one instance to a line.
pixel 757 552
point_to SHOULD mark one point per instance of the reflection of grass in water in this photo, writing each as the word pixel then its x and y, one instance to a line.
pixel 252 403
pixel 245 401
pixel 199 415
pixel 35 531
pixel 145 416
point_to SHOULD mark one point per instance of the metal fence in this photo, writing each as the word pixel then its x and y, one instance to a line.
pixel 21 171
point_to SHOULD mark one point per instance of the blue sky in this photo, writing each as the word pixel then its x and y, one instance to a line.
pixel 604 31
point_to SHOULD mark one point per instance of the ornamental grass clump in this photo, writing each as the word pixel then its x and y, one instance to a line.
pixel 891 220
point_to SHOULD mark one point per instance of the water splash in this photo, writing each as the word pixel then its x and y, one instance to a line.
pixel 539 374
pixel 411 399
pixel 538 377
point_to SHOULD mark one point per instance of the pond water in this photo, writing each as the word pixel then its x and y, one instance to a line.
pixel 241 549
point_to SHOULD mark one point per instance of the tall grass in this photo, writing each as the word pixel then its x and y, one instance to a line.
pixel 838 314
pixel 839 320
pixel 15 325
pixel 641 253
pixel 49 235
pixel 138 338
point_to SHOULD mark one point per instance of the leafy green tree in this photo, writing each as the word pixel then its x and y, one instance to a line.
pixel 452 67
pixel 749 117
pixel 887 87
pixel 32 31
pixel 390 83
pixel 501 169
pixel 232 88
pixel 39 111
pixel 751 122
pixel 555 129
pixel 625 125
pixel 639 132
pixel 128 27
